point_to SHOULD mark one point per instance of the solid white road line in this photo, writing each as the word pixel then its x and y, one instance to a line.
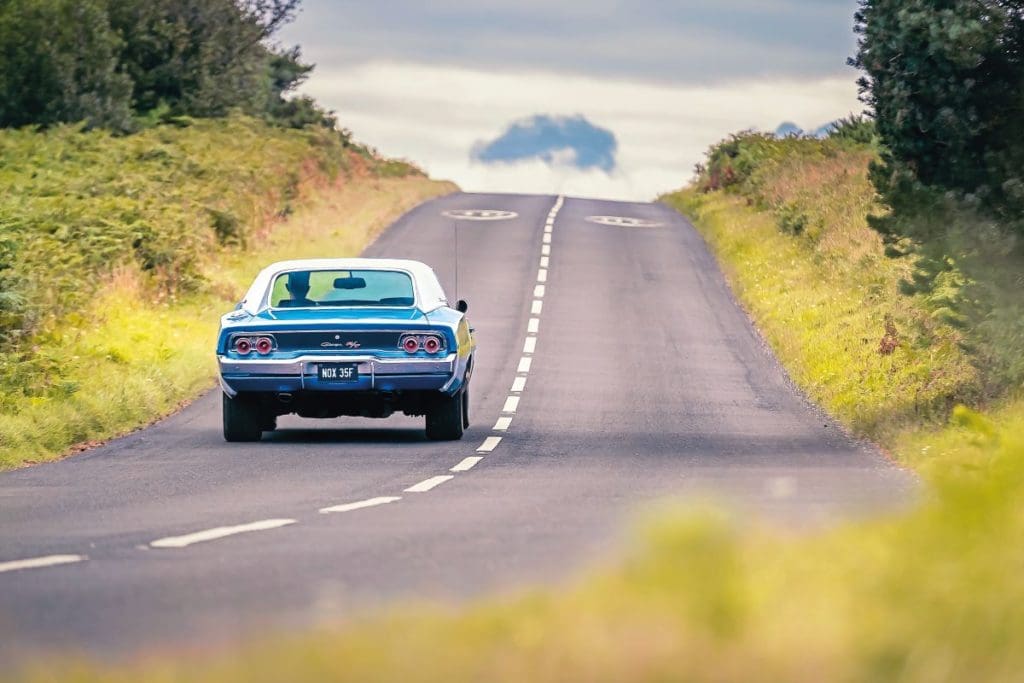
pixel 524 364
pixel 530 345
pixel 466 464
pixel 538 291
pixel 359 505
pixel 219 532
pixel 546 250
pixel 544 261
pixel 547 238
pixel 503 424
pixel 40 562
pixel 536 307
pixel 518 384
pixel 533 326
pixel 511 404
pixel 489 444
pixel 428 484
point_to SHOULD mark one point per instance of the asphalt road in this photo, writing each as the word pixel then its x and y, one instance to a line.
pixel 643 381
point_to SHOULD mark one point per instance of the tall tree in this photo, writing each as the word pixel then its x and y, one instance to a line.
pixel 59 61
pixel 945 81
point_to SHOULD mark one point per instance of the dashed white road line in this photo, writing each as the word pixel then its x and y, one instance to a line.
pixel 428 484
pixel 533 326
pixel 219 532
pixel 547 238
pixel 524 364
pixel 519 383
pixel 546 250
pixel 530 345
pixel 511 404
pixel 359 505
pixel 466 464
pixel 545 261
pixel 503 424
pixel 40 562
pixel 489 444
pixel 542 275
pixel 539 291
pixel 536 307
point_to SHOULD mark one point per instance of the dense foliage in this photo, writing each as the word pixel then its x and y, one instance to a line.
pixel 944 82
pixel 117 63
pixel 78 206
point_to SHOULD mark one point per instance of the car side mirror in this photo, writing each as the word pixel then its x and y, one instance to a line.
pixel 461 306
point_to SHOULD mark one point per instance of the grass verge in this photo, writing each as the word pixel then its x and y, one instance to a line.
pixel 137 348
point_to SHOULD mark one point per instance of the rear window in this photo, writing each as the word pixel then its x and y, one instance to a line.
pixel 309 288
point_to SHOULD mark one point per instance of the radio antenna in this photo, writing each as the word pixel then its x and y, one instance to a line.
pixel 455 229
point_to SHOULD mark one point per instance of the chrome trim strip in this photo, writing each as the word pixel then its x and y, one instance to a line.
pixel 296 367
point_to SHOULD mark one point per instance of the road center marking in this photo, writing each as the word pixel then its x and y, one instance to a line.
pixel 536 307
pixel 781 487
pixel 40 562
pixel 479 214
pixel 466 464
pixel 518 384
pixel 503 424
pixel 511 404
pixel 538 291
pixel 544 261
pixel 530 345
pixel 359 505
pixel 533 326
pixel 428 484
pixel 219 532
pixel 547 238
pixel 623 222
pixel 489 444
pixel 546 250
pixel 542 274
pixel 524 364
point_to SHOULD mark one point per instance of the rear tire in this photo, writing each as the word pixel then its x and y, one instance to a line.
pixel 445 419
pixel 242 419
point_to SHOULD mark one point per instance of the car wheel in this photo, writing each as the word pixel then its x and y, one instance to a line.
pixel 445 418
pixel 242 418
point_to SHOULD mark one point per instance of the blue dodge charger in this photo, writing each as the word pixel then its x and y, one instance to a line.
pixel 332 337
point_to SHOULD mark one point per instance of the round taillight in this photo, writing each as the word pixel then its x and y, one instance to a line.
pixel 411 345
pixel 243 346
pixel 264 345
pixel 432 344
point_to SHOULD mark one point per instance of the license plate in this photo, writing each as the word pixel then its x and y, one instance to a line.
pixel 337 372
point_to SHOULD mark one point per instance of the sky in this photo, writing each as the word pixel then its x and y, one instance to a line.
pixel 593 98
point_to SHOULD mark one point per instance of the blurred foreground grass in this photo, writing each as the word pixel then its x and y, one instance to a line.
pixel 934 595
pixel 131 343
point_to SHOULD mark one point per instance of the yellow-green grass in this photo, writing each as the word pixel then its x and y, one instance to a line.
pixel 133 356
pixel 824 305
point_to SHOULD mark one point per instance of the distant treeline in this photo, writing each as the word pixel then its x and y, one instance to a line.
pixel 117 63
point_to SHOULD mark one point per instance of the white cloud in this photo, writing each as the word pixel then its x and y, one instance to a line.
pixel 433 115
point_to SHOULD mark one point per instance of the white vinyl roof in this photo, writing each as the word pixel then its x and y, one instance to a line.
pixel 429 293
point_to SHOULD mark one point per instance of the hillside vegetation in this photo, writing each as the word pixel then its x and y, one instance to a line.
pixel 789 220
pixel 117 255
